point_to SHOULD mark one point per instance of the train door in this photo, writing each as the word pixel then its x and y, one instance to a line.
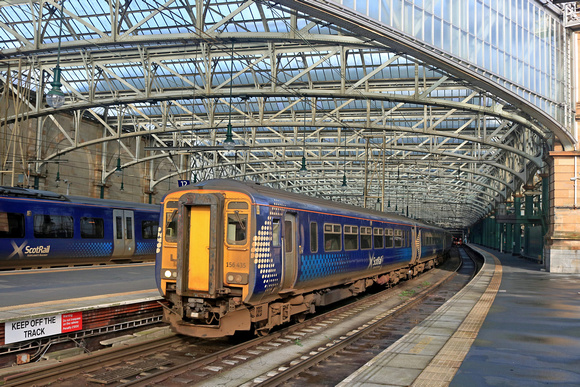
pixel 124 233
pixel 290 253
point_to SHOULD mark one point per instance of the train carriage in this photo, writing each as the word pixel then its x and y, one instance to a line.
pixel 42 228
pixel 235 256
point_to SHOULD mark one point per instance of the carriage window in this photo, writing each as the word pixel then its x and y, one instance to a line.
pixel 129 222
pixel 289 240
pixel 119 223
pixel 332 239
pixel 149 229
pixel 350 237
pixel 237 225
pixel 313 237
pixel 366 238
pixel 378 238
pixel 92 228
pixel 11 225
pixel 388 237
pixel 276 232
pixel 398 238
pixel 170 222
pixel 53 226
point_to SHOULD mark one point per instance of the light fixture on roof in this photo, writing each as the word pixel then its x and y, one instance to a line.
pixel 118 169
pixel 55 97
pixel 229 143
pixel 303 170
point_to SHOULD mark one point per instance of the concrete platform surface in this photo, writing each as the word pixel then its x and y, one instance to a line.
pixel 513 325
pixel 531 336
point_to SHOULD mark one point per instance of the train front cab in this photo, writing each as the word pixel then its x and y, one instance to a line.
pixel 206 290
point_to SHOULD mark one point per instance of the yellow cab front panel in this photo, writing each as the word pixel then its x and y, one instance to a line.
pixel 213 243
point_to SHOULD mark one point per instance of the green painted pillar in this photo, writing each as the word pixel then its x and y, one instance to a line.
pixel 518 225
pixel 490 233
pixel 497 242
pixel 487 232
pixel 509 238
pixel 529 206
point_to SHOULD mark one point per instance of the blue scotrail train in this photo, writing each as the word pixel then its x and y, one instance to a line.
pixel 235 256
pixel 42 229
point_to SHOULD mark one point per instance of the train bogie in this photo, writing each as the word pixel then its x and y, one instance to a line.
pixel 232 256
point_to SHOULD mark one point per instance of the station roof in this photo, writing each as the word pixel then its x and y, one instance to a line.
pixel 403 133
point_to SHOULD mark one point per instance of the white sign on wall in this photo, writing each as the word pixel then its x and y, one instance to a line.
pixel 15 331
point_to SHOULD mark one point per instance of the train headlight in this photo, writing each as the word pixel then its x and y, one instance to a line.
pixel 237 278
pixel 169 274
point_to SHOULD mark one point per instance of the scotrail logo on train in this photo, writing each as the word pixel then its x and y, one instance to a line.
pixel 38 251
pixel 375 261
pixel 28 251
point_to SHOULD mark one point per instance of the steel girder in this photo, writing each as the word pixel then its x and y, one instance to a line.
pixel 165 81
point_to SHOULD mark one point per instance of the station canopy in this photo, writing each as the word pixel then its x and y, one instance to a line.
pixel 310 105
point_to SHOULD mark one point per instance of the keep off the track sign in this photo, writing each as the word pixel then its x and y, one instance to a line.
pixel 33 328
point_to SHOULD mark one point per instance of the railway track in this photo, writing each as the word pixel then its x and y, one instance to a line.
pixel 296 352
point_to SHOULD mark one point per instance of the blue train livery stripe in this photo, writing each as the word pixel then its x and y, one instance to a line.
pixel 316 266
pixel 146 247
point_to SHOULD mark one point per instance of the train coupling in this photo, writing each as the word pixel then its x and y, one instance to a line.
pixel 196 308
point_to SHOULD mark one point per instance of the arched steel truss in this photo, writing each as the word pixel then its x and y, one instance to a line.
pixel 164 82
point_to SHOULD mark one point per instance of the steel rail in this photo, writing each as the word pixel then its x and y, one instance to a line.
pixel 156 378
pixel 364 330
pixel 87 363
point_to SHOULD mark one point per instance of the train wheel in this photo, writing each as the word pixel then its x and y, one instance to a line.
pixel 262 329
pixel 300 317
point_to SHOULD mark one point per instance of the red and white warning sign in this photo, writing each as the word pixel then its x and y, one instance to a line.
pixel 15 331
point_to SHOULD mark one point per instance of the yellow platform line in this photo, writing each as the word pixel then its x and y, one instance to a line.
pixel 442 369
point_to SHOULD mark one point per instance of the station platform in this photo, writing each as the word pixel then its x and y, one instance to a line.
pixel 513 325
pixel 47 302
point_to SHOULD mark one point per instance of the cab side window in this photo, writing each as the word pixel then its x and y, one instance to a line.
pixel 170 222
pixel 237 223
pixel 237 228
